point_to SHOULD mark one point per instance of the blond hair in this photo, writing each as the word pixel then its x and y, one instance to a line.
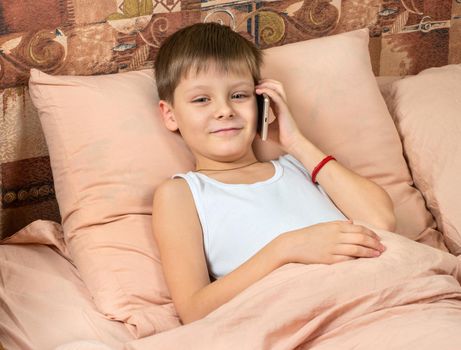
pixel 193 48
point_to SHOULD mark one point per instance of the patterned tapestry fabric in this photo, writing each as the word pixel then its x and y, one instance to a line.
pixel 87 37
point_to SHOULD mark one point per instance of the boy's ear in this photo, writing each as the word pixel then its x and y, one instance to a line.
pixel 167 114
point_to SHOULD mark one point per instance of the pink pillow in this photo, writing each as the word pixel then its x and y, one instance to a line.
pixel 333 94
pixel 109 150
pixel 427 112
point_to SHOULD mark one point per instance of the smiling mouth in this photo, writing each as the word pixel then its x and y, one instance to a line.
pixel 226 130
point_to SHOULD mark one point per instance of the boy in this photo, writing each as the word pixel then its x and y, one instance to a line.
pixel 235 218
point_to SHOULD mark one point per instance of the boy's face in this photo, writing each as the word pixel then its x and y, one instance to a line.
pixel 215 112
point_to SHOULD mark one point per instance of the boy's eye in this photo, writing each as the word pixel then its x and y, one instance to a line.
pixel 239 95
pixel 200 100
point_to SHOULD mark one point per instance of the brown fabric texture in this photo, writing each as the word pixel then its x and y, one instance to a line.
pixel 82 37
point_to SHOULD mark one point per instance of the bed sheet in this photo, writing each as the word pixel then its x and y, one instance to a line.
pixel 43 301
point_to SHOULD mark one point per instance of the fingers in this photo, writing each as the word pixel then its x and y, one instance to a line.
pixel 363 240
pixel 358 241
pixel 273 94
pixel 340 258
pixel 356 251
pixel 274 85
pixel 348 227
pixel 278 104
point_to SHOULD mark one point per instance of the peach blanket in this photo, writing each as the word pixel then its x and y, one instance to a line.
pixel 43 301
pixel 408 298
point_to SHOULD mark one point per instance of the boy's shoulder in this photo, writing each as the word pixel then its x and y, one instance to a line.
pixel 172 188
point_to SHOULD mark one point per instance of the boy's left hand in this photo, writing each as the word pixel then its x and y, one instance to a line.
pixel 285 132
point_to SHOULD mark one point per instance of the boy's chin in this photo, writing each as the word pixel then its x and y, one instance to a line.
pixel 229 155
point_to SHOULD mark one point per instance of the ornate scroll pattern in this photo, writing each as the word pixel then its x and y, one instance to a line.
pixel 159 25
pixel 143 42
pixel 45 50
pixel 268 25
pixel 222 16
pixel 77 37
pixel 27 195
pixel 412 8
pixel 271 27
pixel 316 17
pixel 138 31
pixel 394 18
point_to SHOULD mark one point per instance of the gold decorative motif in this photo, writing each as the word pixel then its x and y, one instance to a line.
pixel 271 27
pixel 47 49
pixel 33 192
pixel 133 17
pixel 22 195
pixel 133 8
pixel 159 24
pixel 221 16
pixel 414 9
pixel 318 16
pixel 9 197
pixel 44 190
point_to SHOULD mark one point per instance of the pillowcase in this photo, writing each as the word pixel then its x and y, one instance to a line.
pixel 109 150
pixel 334 97
pixel 427 113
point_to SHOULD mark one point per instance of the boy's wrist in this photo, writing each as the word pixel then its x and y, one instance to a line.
pixel 307 153
pixel 280 250
pixel 298 145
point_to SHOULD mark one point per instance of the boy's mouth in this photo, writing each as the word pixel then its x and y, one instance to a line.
pixel 224 130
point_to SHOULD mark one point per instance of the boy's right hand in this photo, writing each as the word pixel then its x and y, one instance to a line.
pixel 329 243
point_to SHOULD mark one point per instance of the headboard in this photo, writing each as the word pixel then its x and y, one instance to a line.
pixel 83 37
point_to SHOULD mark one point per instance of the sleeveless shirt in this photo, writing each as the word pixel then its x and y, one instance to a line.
pixel 239 219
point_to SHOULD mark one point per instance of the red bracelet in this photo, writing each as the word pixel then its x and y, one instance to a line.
pixel 320 166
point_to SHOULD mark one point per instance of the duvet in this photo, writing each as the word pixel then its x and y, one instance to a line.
pixel 408 298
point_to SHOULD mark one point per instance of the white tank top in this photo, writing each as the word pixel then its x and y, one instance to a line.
pixel 239 219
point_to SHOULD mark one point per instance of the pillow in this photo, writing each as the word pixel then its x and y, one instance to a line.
pixel 334 97
pixel 427 112
pixel 109 150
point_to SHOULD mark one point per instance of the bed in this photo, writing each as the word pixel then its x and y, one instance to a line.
pixel 93 278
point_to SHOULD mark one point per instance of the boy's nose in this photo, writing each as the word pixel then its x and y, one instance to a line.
pixel 225 111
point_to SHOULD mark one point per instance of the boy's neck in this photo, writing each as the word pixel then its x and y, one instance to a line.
pixel 227 169
pixel 205 164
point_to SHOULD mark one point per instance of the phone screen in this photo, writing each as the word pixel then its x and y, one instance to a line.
pixel 263 115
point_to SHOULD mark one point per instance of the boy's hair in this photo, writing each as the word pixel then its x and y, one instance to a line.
pixel 194 47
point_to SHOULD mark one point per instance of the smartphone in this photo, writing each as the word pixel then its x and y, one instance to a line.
pixel 263 115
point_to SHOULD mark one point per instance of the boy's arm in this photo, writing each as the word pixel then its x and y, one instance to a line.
pixel 177 230
pixel 357 197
